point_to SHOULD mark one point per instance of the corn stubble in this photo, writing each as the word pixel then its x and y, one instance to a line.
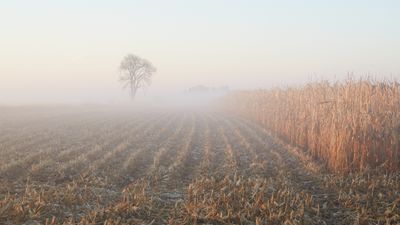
pixel 181 168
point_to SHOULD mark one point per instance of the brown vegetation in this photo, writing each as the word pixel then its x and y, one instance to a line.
pixel 100 167
pixel 351 126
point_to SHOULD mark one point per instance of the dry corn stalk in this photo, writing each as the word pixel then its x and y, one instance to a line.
pixel 354 125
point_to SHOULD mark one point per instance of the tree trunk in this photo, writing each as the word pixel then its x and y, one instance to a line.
pixel 133 91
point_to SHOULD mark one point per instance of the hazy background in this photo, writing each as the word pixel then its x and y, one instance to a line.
pixel 69 51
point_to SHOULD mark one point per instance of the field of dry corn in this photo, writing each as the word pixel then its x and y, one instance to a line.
pixel 349 126
pixel 102 166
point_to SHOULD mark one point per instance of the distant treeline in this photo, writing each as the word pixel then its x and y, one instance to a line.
pixel 201 89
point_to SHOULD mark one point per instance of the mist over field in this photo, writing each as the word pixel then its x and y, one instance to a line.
pixel 69 52
pixel 199 112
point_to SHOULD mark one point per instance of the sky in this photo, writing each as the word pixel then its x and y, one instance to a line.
pixel 69 51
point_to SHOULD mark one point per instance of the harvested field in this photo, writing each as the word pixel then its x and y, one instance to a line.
pixel 102 166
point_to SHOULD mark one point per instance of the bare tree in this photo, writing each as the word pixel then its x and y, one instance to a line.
pixel 135 73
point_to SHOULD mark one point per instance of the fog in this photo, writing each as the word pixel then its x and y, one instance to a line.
pixel 69 52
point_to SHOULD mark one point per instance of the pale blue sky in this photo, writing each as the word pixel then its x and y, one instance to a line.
pixel 69 51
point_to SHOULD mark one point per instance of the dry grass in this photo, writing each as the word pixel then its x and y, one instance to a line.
pixel 183 168
pixel 351 126
pixel 238 200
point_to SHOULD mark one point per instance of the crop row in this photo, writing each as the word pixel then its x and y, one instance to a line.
pixel 351 126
